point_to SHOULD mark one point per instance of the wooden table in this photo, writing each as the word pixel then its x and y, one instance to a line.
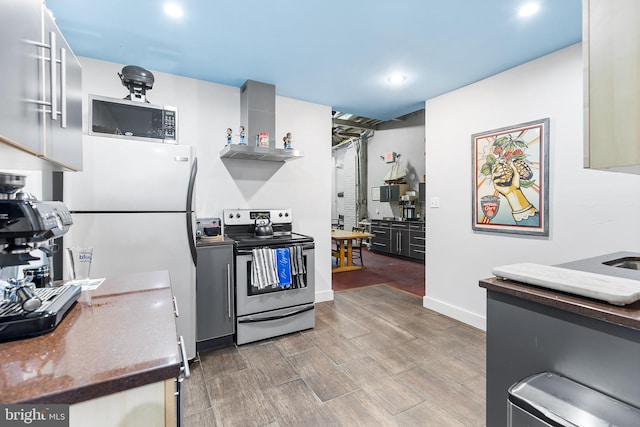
pixel 345 248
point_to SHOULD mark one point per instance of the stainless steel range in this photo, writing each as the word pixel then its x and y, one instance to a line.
pixel 275 278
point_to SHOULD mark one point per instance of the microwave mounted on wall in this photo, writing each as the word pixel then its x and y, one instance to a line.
pixel 122 118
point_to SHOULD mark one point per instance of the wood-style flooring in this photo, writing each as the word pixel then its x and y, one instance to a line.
pixel 375 358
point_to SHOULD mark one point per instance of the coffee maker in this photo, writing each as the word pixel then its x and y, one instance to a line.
pixel 408 206
pixel 27 228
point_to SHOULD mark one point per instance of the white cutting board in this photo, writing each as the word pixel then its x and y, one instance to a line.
pixel 614 290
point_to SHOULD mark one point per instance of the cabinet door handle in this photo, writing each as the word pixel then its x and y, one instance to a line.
pixel 229 291
pixel 185 362
pixel 63 87
pixel 175 307
pixel 53 64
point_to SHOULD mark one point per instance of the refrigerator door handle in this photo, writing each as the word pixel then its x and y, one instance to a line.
pixel 189 209
pixel 192 184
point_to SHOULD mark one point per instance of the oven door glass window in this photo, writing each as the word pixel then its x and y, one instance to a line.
pixel 253 289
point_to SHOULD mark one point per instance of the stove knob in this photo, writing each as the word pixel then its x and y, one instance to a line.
pixel 230 216
pixel 280 214
pixel 286 214
pixel 238 215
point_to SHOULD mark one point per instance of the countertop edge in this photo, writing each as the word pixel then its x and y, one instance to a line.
pixel 105 388
pixel 628 316
pixel 204 243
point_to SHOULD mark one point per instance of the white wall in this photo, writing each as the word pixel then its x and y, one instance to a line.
pixel 591 212
pixel 205 111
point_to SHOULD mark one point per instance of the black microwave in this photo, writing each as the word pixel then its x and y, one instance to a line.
pixel 122 118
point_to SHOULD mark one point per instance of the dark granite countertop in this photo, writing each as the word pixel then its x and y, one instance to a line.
pixel 117 337
pixel 411 221
pixel 628 315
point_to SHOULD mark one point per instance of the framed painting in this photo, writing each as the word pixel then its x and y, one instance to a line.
pixel 511 179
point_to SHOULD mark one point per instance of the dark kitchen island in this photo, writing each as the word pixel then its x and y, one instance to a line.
pixel 116 348
pixel 531 329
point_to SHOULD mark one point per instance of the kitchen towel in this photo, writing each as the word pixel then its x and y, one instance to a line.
pixel 263 268
pixel 283 267
pixel 298 269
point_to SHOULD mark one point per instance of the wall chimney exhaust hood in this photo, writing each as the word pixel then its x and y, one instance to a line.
pixel 258 114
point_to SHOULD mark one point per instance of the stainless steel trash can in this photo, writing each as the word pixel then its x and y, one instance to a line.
pixel 550 400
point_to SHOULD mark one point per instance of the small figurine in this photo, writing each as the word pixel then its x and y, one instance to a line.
pixel 229 133
pixel 287 141
pixel 242 136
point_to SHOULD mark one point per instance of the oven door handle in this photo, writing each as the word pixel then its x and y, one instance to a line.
pixel 269 318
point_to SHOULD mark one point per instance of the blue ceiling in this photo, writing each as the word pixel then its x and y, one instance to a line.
pixel 336 53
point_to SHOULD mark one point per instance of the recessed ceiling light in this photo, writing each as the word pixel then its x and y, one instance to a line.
pixel 173 9
pixel 396 79
pixel 529 9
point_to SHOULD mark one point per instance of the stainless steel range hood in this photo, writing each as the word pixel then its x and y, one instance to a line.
pixel 258 114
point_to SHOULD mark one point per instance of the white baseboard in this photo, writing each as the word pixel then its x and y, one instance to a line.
pixel 324 296
pixel 454 312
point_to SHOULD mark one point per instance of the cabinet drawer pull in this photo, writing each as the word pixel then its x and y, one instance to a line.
pixel 229 291
pixel 420 238
pixel 419 251
pixel 63 88
pixel 53 64
pixel 185 362
pixel 175 307
pixel 379 244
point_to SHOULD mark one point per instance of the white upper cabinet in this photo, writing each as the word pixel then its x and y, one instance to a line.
pixel 41 85
pixel 611 43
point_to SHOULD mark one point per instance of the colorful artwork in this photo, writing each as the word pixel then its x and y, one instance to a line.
pixel 511 179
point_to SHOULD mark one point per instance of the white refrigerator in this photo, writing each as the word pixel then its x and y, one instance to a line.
pixel 133 203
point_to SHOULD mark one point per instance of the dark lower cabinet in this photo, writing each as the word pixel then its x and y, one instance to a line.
pixel 381 241
pixel 417 241
pixel 530 331
pixel 399 238
pixel 215 291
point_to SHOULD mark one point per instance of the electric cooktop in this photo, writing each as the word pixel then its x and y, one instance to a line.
pixel 248 240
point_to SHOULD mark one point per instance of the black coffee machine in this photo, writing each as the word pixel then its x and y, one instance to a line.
pixel 27 225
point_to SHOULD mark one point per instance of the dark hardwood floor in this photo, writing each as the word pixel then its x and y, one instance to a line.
pixel 375 358
pixel 379 269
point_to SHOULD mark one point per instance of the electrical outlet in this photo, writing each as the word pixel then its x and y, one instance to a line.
pixel 434 202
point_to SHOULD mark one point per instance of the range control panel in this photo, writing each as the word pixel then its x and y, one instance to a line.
pixel 249 216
